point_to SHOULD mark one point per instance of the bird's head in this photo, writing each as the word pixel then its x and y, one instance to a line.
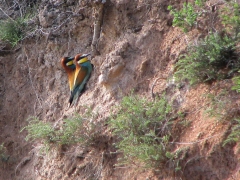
pixel 67 61
pixel 81 58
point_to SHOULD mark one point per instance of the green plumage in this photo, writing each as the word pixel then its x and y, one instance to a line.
pixel 82 74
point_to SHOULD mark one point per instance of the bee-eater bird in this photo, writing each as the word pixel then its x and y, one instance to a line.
pixel 82 74
pixel 69 66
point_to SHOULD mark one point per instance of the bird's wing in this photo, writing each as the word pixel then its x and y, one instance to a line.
pixel 79 83
pixel 80 74
pixel 71 76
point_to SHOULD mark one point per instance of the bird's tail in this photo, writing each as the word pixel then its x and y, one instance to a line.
pixel 75 95
pixel 70 101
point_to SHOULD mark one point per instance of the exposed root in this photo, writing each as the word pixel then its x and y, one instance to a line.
pixel 98 18
pixel 154 83
pixel 23 162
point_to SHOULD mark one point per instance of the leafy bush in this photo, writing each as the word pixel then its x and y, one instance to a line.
pixel 143 129
pixel 186 17
pixel 213 58
pixel 74 130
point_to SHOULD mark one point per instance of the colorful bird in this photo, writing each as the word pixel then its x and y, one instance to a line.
pixel 82 74
pixel 69 66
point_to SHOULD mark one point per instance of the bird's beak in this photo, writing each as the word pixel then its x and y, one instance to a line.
pixel 85 55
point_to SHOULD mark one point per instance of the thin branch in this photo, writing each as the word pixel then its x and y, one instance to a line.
pixel 51 30
pixel 6 14
pixel 62 23
pixel 30 77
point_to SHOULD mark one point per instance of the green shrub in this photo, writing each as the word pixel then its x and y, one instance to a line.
pixel 77 130
pixel 176 158
pixel 236 86
pixel 143 129
pixel 74 130
pixel 71 131
pixel 14 30
pixel 199 3
pixel 39 130
pixel 213 58
pixel 230 16
pixel 186 17
pixel 234 136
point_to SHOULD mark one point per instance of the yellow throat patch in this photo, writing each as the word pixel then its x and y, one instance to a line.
pixel 83 60
pixel 69 63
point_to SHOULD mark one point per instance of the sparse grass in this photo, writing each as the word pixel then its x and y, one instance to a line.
pixel 176 158
pixel 211 59
pixel 234 136
pixel 223 108
pixel 230 16
pixel 186 17
pixel 183 123
pixel 214 57
pixel 13 30
pixel 74 130
pixel 220 106
pixel 3 153
pixel 39 130
pixel 143 129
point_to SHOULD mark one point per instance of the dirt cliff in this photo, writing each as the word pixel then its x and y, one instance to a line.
pixel 137 50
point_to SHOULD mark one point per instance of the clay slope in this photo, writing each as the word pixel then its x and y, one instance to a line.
pixel 138 48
